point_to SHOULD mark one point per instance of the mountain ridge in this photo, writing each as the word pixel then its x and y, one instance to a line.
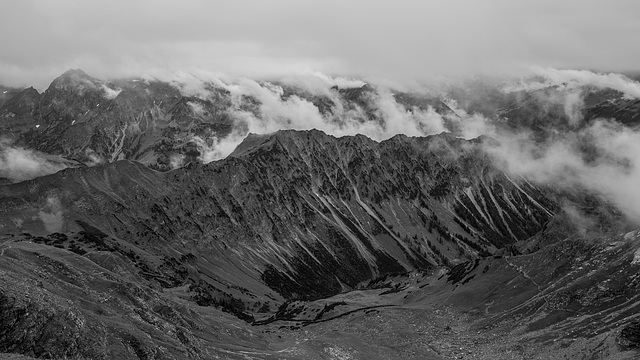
pixel 338 200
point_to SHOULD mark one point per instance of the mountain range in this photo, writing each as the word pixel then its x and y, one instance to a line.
pixel 151 237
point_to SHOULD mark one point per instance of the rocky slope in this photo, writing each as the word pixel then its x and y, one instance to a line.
pixel 312 214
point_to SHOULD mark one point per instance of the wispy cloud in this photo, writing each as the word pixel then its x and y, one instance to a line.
pixel 110 93
pixel 274 111
pixel 578 78
pixel 19 164
pixel 603 158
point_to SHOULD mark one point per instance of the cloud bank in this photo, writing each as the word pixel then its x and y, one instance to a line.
pixel 273 110
pixel 413 39
pixel 603 158
pixel 576 79
pixel 19 164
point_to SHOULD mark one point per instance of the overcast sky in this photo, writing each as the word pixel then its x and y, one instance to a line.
pixel 397 40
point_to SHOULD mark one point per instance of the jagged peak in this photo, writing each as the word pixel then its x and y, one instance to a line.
pixel 25 99
pixel 401 137
pixel 292 133
pixel 75 75
pixel 74 78
pixel 28 92
pixel 75 72
pixel 319 134
pixel 255 141
pixel 443 141
pixel 304 138
pixel 251 142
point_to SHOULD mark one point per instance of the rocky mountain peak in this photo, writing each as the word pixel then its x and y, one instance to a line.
pixel 75 80
pixel 250 143
pixel 23 102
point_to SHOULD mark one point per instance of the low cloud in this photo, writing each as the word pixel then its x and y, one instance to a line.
pixel 573 106
pixel 176 161
pixel 92 158
pixel 19 164
pixel 110 93
pixel 319 83
pixel 603 158
pixel 51 214
pixel 213 149
pixel 196 108
pixel 273 110
pixel 548 77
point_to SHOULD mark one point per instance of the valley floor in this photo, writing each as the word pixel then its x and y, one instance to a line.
pixel 419 331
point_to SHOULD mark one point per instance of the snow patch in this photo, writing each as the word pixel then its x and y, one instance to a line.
pixel 19 164
pixel 37 126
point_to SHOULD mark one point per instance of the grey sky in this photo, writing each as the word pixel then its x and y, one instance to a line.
pixel 398 40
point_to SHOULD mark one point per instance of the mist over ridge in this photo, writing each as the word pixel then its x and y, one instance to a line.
pixel 550 142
